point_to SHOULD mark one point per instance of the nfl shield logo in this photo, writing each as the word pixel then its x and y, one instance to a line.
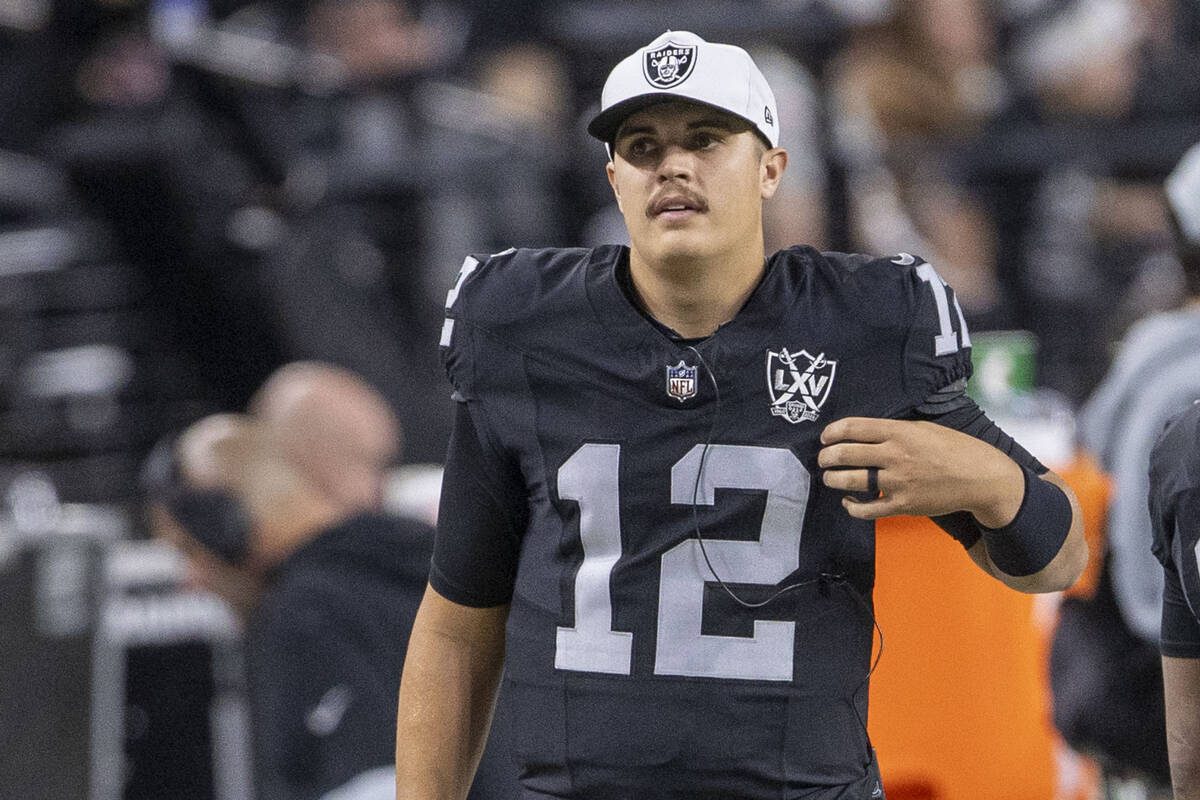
pixel 681 381
pixel 669 65
pixel 798 383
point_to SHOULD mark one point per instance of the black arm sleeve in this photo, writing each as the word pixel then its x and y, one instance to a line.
pixel 481 518
pixel 954 409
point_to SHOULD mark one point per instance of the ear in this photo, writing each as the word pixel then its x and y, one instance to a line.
pixel 771 167
pixel 611 171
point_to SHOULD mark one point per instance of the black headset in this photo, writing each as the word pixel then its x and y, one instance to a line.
pixel 215 518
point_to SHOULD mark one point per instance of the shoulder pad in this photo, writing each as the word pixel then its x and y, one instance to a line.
pixel 851 263
pixel 847 263
pixel 905 293
pixel 887 290
pixel 508 286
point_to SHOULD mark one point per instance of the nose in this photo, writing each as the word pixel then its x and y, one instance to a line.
pixel 677 163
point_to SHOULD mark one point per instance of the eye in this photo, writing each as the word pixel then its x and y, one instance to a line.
pixel 705 139
pixel 639 147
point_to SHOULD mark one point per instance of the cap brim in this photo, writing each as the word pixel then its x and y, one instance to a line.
pixel 604 126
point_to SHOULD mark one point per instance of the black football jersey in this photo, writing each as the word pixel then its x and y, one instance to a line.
pixel 663 475
pixel 1175 521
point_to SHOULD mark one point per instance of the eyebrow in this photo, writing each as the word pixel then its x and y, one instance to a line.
pixel 624 132
pixel 706 122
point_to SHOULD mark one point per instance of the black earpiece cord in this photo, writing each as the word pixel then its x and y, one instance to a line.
pixel 825 579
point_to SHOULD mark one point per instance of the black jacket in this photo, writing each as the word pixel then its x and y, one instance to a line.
pixel 326 648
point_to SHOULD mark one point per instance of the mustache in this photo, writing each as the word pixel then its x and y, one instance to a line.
pixel 672 196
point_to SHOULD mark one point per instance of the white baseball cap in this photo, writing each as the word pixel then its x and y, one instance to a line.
pixel 1183 193
pixel 681 66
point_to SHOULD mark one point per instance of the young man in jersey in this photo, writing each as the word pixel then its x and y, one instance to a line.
pixel 657 512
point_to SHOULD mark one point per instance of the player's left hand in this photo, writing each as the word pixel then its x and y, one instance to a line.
pixel 924 469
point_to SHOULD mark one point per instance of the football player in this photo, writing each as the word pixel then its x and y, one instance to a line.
pixel 1175 518
pixel 657 512
pixel 1154 376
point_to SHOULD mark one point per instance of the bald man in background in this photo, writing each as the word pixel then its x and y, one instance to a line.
pixel 234 505
pixel 290 532
pixel 327 594
pixel 335 427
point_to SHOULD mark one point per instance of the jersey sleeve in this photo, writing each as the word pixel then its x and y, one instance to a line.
pixel 909 322
pixel 937 351
pixel 1180 637
pixel 1174 478
pixel 482 511
pixel 480 520
pixel 1175 520
pixel 937 364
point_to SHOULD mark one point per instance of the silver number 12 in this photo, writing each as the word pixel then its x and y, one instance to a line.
pixel 590 477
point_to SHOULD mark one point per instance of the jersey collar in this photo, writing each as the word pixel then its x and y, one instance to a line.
pixel 612 297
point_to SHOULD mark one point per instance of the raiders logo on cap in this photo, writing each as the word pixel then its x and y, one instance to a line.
pixel 669 65
pixel 668 68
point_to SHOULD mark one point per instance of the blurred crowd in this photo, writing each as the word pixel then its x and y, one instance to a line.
pixel 196 192
pixel 193 192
